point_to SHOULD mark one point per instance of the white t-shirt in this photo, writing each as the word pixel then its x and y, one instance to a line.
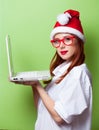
pixel 73 100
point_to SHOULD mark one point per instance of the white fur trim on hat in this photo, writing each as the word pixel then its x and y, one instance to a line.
pixel 67 30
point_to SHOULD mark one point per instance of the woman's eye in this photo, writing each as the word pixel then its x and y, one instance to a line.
pixel 56 41
pixel 67 38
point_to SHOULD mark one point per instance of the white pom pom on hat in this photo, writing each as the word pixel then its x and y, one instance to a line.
pixel 68 22
pixel 63 18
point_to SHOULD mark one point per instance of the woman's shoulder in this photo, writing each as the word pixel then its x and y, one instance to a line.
pixel 81 70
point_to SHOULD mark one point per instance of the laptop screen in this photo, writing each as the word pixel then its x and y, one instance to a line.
pixel 9 56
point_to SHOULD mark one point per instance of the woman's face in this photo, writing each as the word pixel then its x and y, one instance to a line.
pixel 67 45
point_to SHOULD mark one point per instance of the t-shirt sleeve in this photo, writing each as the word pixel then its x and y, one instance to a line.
pixel 73 98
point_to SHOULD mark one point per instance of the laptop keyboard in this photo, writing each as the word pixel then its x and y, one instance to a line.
pixel 34 74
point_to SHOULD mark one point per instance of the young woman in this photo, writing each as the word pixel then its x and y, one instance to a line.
pixel 66 102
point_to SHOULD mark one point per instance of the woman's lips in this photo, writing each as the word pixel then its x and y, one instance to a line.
pixel 63 52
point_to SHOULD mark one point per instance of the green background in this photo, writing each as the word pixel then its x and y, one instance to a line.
pixel 29 24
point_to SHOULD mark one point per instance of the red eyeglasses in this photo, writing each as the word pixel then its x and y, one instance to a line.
pixel 67 40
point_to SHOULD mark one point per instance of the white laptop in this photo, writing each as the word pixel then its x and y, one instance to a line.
pixel 23 76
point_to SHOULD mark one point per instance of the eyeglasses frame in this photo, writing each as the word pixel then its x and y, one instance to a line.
pixel 62 40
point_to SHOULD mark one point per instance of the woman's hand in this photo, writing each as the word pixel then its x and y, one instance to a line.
pixel 31 83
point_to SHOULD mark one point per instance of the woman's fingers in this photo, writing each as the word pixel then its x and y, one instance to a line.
pixel 33 83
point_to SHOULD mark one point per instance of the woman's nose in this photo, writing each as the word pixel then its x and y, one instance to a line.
pixel 62 45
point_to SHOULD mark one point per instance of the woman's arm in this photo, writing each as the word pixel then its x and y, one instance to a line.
pixel 35 96
pixel 39 92
pixel 49 103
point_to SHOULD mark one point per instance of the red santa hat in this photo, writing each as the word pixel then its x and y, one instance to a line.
pixel 68 22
